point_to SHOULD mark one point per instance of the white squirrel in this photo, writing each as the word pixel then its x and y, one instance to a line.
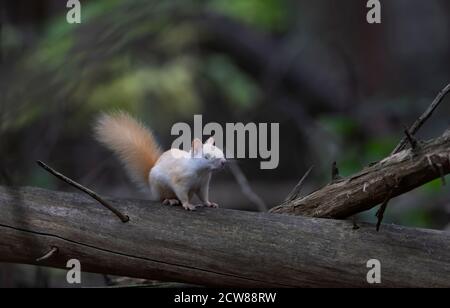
pixel 173 176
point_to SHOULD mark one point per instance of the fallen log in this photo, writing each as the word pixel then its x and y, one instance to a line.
pixel 213 247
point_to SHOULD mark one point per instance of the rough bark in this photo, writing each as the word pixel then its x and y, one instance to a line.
pixel 214 247
pixel 393 176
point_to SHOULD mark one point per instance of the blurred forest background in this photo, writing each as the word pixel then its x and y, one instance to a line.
pixel 341 89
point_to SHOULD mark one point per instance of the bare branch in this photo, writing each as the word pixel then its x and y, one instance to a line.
pixel 296 191
pixel 423 118
pixel 404 171
pixel 410 138
pixel 123 218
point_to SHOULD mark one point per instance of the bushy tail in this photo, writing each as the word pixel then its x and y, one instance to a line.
pixel 131 141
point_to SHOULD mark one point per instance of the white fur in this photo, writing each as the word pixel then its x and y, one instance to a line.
pixel 179 174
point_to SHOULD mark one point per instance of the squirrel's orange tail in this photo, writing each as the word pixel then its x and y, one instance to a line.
pixel 131 141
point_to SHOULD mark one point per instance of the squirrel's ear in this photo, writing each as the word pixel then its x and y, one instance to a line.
pixel 197 147
pixel 210 141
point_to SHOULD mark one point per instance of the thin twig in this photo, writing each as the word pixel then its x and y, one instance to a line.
pixel 334 172
pixel 123 218
pixel 381 210
pixel 409 133
pixel 245 187
pixel 48 254
pixel 295 192
pixel 411 139
pixel 423 118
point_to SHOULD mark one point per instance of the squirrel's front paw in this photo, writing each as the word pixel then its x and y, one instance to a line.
pixel 189 207
pixel 211 204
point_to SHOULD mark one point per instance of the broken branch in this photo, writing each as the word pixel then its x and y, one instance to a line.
pixel 48 254
pixel 368 188
pixel 410 137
